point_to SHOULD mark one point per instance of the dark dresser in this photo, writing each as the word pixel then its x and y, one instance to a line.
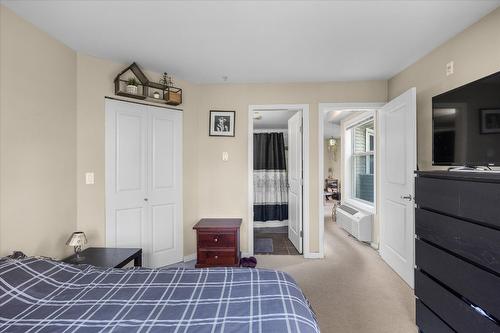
pixel 457 251
pixel 218 242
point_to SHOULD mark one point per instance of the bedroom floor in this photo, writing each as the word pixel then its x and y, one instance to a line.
pixel 352 289
pixel 276 240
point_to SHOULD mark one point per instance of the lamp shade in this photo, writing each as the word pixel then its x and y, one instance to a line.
pixel 78 238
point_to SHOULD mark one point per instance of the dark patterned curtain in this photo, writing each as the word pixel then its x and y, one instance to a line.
pixel 270 178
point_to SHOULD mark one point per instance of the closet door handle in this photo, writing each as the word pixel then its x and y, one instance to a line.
pixel 146 199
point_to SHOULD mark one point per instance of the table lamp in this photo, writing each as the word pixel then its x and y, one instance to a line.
pixel 77 240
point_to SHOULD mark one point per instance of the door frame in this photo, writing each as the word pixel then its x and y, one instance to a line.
pixel 324 108
pixel 305 170
pixel 108 139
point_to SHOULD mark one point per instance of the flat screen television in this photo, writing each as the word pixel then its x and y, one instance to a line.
pixel 466 124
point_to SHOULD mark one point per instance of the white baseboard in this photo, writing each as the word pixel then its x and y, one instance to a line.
pixel 270 224
pixel 313 255
pixel 190 257
pixel 246 254
pixel 374 245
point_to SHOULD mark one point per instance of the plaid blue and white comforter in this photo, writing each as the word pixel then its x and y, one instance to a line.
pixel 39 295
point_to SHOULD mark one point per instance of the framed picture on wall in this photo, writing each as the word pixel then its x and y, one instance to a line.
pixel 490 121
pixel 221 123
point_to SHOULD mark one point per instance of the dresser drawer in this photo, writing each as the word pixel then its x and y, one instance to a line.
pixel 472 241
pixel 470 200
pixel 216 258
pixel 210 239
pixel 480 287
pixel 428 322
pixel 458 314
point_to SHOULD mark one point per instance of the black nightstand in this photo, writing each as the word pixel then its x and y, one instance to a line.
pixel 107 257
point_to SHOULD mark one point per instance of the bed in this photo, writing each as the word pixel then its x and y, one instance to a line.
pixel 41 295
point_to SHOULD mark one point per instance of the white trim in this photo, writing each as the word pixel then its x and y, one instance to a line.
pixel 347 154
pixel 323 108
pixel 246 254
pixel 270 224
pixel 314 255
pixel 268 130
pixel 360 204
pixel 190 257
pixel 305 153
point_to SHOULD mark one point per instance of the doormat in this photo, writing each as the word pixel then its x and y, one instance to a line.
pixel 263 245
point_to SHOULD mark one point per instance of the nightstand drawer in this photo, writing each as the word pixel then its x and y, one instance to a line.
pixel 216 239
pixel 217 258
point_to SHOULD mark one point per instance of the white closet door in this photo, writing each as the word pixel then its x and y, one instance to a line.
pixel 165 186
pixel 144 181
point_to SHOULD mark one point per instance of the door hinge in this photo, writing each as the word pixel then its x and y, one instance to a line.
pixel 301 128
pixel 301 234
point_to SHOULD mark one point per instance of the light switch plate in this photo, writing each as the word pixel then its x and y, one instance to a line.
pixel 89 178
pixel 450 68
pixel 225 156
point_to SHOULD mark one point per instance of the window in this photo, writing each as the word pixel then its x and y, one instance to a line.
pixel 362 161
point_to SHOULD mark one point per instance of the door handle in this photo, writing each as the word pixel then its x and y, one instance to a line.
pixel 407 197
pixel 146 199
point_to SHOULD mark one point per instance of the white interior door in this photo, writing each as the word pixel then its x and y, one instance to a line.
pixel 397 164
pixel 144 181
pixel 295 180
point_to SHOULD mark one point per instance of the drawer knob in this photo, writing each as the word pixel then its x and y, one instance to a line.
pixel 216 239
pixel 216 257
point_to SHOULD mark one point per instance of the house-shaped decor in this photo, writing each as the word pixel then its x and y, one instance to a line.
pixel 146 89
pixel 122 79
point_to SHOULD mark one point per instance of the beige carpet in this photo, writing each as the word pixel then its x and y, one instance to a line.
pixel 352 289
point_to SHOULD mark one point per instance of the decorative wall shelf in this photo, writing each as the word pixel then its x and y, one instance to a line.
pixel 146 89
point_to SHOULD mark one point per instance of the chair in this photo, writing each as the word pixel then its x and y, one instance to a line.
pixel 332 189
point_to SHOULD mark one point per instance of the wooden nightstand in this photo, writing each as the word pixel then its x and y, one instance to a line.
pixel 218 242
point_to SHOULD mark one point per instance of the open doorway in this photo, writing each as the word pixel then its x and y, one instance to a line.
pixel 378 144
pixel 276 180
pixel 347 142
pixel 332 161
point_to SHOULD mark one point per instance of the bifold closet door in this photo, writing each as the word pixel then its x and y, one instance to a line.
pixel 165 185
pixel 144 180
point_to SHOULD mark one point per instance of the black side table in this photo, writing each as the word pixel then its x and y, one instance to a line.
pixel 107 257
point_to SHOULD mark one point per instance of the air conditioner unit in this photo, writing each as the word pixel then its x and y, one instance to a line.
pixel 357 223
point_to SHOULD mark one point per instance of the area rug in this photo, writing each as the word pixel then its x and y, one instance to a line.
pixel 263 245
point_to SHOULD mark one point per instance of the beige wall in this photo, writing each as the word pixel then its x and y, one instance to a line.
pixel 223 187
pixel 52 137
pixel 94 82
pixel 476 53
pixel 331 159
pixel 37 139
pixel 212 188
